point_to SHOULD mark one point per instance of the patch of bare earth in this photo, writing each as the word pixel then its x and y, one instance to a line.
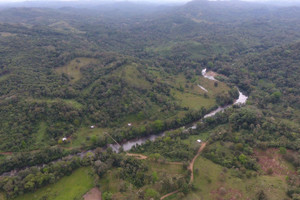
pixel 6 153
pixel 271 162
pixel 211 73
pixel 93 194
pixel 223 193
pixel 137 156
pixel 214 74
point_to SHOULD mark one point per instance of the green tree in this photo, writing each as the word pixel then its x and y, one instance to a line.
pixel 107 196
pixel 151 193
pixel 154 177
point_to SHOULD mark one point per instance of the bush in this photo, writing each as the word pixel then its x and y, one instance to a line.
pixel 151 193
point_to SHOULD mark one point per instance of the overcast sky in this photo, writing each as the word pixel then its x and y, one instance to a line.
pixel 156 1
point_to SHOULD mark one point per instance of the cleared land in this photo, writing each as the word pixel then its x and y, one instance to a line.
pixel 212 181
pixel 93 194
pixel 72 69
pixel 69 187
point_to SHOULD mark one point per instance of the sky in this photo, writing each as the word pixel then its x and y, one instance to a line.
pixel 156 1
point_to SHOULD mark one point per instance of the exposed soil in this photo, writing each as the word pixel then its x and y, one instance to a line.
pixel 93 194
pixel 226 193
pixel 271 162
pixel 6 153
pixel 137 156
pixel 191 166
pixel 211 73
pixel 169 194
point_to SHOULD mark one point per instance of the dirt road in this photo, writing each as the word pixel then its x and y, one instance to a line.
pixel 191 166
pixel 169 194
pixel 137 156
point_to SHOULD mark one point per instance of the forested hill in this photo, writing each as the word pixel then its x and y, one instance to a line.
pixel 275 71
pixel 39 48
pixel 77 78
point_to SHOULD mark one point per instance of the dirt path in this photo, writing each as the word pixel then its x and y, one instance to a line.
pixel 169 194
pixel 6 153
pixel 191 166
pixel 137 156
pixel 93 194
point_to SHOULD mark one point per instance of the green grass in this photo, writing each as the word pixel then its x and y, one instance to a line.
pixel 4 77
pixel 133 77
pixel 72 69
pixel 209 85
pixel 73 103
pixel 193 101
pixel 211 177
pixel 41 135
pixel 82 135
pixel 192 140
pixel 188 94
pixel 68 188
pixel 2 196
pixel 164 167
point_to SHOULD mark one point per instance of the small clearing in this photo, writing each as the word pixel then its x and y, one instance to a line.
pixel 137 156
pixel 72 69
pixel 272 160
pixel 93 194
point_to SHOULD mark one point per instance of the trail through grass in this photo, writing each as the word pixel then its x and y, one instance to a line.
pixel 213 182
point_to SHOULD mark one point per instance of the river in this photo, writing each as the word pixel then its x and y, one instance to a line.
pixel 130 143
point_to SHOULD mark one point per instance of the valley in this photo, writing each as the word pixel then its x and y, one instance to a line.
pixel 137 101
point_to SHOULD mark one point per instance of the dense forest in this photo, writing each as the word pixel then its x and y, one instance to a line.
pixel 75 78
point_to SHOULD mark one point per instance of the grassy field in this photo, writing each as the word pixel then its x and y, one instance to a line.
pixel 192 140
pixel 213 182
pixel 133 77
pixel 193 101
pixel 72 69
pixel 84 135
pixel 41 135
pixel 190 95
pixel 68 188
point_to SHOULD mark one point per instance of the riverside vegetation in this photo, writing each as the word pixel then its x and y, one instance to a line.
pixel 133 70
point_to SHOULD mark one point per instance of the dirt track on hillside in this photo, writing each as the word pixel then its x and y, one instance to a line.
pixel 191 166
pixel 169 194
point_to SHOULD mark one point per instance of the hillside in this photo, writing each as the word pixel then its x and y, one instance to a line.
pixel 80 82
